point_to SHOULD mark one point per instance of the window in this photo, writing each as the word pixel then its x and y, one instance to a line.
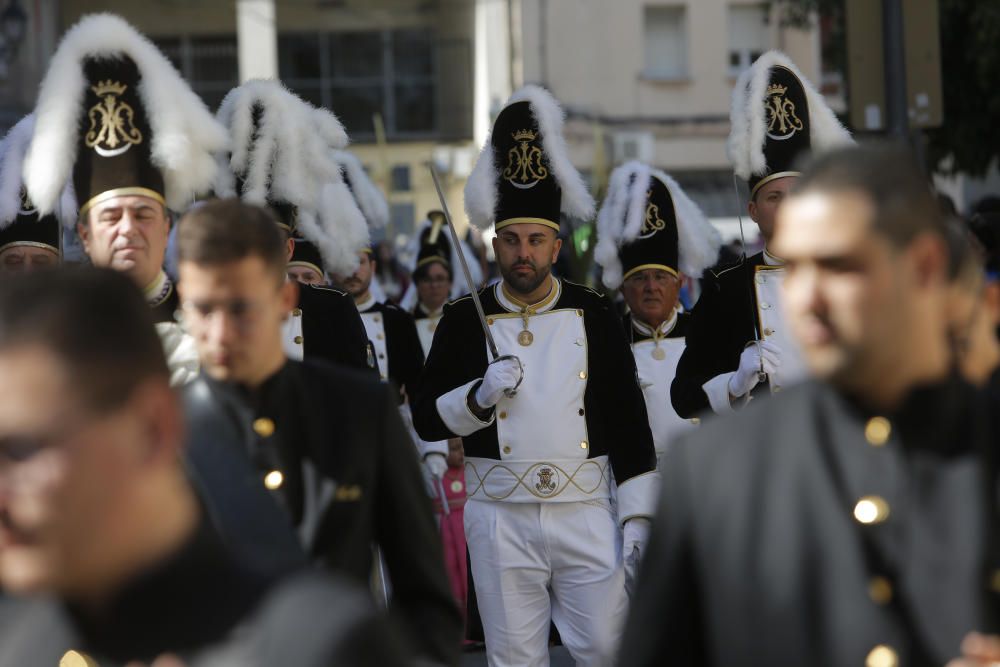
pixel 665 42
pixel 403 216
pixel 209 63
pixel 400 178
pixel 748 36
pixel 359 74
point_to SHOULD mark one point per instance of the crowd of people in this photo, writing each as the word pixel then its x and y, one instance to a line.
pixel 240 433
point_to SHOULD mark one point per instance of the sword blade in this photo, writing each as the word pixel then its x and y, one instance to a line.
pixel 465 266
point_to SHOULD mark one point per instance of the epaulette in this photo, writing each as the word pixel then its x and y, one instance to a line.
pixel 326 288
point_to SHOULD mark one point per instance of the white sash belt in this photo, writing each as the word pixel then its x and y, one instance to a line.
pixel 554 480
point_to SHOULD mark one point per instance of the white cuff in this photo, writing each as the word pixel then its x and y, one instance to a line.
pixel 454 410
pixel 637 496
pixel 427 448
pixel 717 390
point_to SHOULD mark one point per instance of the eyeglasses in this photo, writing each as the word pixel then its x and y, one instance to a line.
pixel 242 312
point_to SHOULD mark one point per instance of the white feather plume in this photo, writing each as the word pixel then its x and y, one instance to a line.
pixel 185 135
pixel 12 152
pixel 370 199
pixel 481 188
pixel 622 214
pixel 745 145
pixel 281 160
pixel 346 232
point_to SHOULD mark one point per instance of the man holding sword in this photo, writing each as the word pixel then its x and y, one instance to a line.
pixel 535 374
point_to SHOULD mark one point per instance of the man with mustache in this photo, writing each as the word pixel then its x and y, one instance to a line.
pixel 545 542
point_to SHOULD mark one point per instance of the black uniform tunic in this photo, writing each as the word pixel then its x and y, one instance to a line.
pixel 349 478
pixel 331 328
pixel 613 405
pixel 810 530
pixel 722 323
pixel 401 344
pixel 202 605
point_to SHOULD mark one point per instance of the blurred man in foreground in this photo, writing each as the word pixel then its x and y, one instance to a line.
pixel 325 443
pixel 813 528
pixel 99 526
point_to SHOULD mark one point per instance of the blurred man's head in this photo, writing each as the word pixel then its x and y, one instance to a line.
pixel 23 258
pixel 867 265
pixel 234 295
pixel 90 435
pixel 651 295
pixel 358 283
pixel 433 281
pixel 127 233
pixel 525 253
pixel 974 300
pixel 764 204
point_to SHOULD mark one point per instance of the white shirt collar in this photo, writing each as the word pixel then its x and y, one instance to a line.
pixel 366 304
pixel 665 327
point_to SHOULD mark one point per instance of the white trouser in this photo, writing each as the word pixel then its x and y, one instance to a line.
pixel 532 562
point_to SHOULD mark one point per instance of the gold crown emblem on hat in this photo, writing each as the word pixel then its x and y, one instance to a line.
pixel 525 135
pixel 776 89
pixel 108 87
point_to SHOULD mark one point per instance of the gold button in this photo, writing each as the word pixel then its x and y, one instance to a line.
pixel 298 340
pixel 489 321
pixel 379 336
pixel 263 427
pixel 502 415
pixel 76 659
pixel 882 656
pixel 877 431
pixel 506 449
pixel 695 420
pixel 377 318
pixel 880 590
pixel 581 412
pixel 297 312
pixel 583 445
pixel 579 313
pixel 871 510
pixel 768 332
pixel 583 375
pixel 995 581
pixel 274 479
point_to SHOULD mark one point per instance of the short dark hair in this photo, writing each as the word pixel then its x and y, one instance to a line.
pixel 901 195
pixel 95 321
pixel 222 231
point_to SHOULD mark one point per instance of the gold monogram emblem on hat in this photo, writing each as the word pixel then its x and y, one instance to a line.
pixel 652 223
pixel 782 122
pixel 524 161
pixel 27 207
pixel 116 133
pixel 546 483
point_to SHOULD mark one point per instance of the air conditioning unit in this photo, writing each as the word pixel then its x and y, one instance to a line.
pixel 633 146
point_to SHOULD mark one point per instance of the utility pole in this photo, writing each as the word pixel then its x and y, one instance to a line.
pixel 894 54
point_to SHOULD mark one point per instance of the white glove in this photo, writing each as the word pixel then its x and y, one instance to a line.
pixel 755 356
pixel 500 376
pixel 634 539
pixel 436 464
